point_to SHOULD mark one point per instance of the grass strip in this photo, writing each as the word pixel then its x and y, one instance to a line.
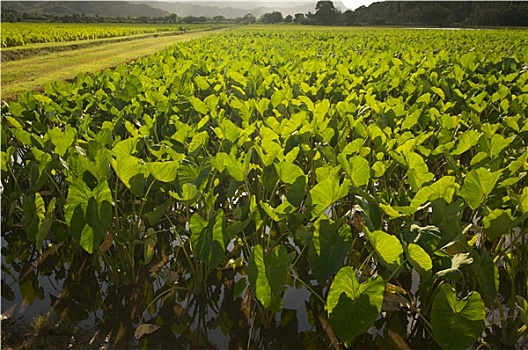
pixel 38 49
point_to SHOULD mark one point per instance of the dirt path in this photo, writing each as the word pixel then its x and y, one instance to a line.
pixel 33 73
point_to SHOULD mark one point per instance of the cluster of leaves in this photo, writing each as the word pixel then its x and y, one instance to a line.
pixel 394 170
pixel 19 34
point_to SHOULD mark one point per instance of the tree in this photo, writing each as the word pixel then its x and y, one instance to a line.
pixel 248 19
pixel 288 19
pixel 272 17
pixel 299 17
pixel 326 13
pixel 172 18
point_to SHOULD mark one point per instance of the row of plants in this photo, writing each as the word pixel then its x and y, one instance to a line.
pixel 20 34
pixel 382 170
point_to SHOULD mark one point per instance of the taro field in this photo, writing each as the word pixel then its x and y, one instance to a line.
pixel 280 188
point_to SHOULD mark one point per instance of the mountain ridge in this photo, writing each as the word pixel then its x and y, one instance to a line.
pixel 89 8
pixel 161 8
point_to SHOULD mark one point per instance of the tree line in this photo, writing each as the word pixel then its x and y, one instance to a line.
pixel 406 13
pixel 9 15
pixel 397 13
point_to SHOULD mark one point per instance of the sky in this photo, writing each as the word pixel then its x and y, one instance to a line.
pixel 354 4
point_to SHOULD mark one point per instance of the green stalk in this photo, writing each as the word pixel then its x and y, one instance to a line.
pixel 309 288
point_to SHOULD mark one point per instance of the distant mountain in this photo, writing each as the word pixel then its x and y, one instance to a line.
pixel 441 13
pixel 229 9
pixel 233 9
pixel 89 8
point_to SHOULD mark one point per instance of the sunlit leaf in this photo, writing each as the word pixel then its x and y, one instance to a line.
pixel 267 272
pixel 387 247
pixel 144 329
pixel 419 259
pixel 208 238
pixel 478 185
pixel 353 307
pixel 326 192
pixel 88 213
pixel 163 171
pixel 62 139
pixel 131 172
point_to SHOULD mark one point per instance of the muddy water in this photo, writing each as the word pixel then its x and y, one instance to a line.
pixel 78 290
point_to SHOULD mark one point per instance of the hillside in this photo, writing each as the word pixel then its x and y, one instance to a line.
pixel 88 8
pixel 228 9
pixel 232 9
pixel 440 13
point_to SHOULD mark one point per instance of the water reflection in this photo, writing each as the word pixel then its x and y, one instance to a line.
pixel 82 290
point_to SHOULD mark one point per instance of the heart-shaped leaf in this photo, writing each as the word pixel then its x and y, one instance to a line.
pixel 388 249
pixel 88 213
pixel 208 238
pixel 330 244
pixel 478 185
pixel 267 272
pixel 457 324
pixel 352 306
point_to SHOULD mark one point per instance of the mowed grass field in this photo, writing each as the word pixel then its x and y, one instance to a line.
pixel 41 63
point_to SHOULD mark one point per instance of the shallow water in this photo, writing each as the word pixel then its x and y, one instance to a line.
pixel 70 286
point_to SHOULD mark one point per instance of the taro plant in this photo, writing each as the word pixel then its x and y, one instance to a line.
pixel 388 180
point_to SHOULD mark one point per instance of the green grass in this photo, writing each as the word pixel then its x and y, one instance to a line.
pixel 34 72
pixel 39 49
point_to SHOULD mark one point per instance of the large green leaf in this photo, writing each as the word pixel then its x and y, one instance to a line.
pixel 330 244
pixel 388 248
pixel 417 171
pixel 45 226
pixel 189 194
pixel 235 168
pixel 267 272
pixel 446 218
pixel 524 200
pixel 353 307
pixel 297 191
pixel 419 259
pixel 34 214
pixel 326 192
pixel 497 222
pixel 443 188
pixel 88 213
pixel 428 237
pixel 208 238
pixel 358 169
pixel 288 172
pixel 163 171
pixel 487 274
pixel 131 172
pixel 198 105
pixel 198 140
pixel 467 140
pixel 62 139
pixel 478 185
pixel 457 324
